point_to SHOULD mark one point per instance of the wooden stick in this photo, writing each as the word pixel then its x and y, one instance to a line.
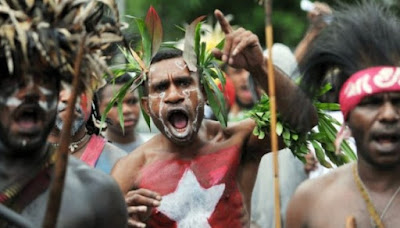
pixel 56 190
pixel 351 222
pixel 272 100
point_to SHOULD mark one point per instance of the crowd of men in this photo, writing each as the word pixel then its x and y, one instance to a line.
pixel 194 173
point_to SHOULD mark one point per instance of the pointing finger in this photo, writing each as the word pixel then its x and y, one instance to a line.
pixel 225 26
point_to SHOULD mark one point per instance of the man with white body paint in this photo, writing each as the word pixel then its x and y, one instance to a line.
pixel 204 173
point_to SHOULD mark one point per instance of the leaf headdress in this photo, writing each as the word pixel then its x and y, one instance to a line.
pixel 197 58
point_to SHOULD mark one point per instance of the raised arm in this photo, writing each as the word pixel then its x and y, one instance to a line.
pixel 242 49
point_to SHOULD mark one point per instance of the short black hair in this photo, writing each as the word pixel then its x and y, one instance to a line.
pixel 168 53
pixel 361 35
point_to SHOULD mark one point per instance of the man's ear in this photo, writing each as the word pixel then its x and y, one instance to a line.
pixel 144 102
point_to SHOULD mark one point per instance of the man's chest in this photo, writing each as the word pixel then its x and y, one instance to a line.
pixel 207 170
pixel 200 192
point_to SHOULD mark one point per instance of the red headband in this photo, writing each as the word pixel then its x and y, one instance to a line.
pixel 368 82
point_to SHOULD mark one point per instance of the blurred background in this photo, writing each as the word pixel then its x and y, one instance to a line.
pixel 289 21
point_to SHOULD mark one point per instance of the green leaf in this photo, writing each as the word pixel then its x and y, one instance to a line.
pixel 215 98
pixel 118 97
pixel 146 41
pixel 189 51
pixel 319 152
pixel 201 59
pixel 286 134
pixel 324 89
pixel 154 27
pixel 261 135
pixel 279 128
pixel 328 106
pixel 256 131
pixel 144 113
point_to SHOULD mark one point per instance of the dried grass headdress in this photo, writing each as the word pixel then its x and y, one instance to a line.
pixel 52 30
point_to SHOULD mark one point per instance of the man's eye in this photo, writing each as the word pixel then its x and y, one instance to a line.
pixel 371 102
pixel 132 101
pixel 160 88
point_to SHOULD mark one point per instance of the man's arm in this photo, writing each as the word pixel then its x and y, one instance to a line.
pixel 297 212
pixel 242 49
pixel 109 208
pixel 139 202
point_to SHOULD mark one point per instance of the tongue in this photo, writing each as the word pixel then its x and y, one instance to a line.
pixel 26 123
pixel 179 120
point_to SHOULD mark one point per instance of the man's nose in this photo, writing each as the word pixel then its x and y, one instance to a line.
pixel 389 113
pixel 174 96
pixel 64 95
pixel 29 90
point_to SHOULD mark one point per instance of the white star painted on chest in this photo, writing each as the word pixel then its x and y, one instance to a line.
pixel 191 204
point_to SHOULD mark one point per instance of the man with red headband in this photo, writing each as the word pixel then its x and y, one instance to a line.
pixel 362 43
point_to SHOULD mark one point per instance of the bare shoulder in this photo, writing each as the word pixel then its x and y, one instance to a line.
pixel 91 179
pixel 85 186
pixel 314 192
pixel 126 170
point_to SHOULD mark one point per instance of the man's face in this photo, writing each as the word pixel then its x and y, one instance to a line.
pixel 28 106
pixel 240 79
pixel 375 124
pixel 130 109
pixel 81 112
pixel 175 101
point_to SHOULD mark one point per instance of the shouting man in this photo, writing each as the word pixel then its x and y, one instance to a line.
pixel 203 172
pixel 362 43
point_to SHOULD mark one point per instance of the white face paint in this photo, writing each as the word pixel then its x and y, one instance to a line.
pixel 14 101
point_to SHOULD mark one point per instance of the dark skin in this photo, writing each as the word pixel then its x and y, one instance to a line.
pixel 130 111
pixel 375 124
pixel 171 84
pixel 28 105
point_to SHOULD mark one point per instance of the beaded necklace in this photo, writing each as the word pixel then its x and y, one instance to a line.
pixel 376 220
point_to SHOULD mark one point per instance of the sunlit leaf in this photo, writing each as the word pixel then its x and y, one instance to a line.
pixel 146 41
pixel 144 113
pixel 154 27
pixel 189 53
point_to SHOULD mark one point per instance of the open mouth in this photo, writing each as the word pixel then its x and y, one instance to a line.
pixel 179 120
pixel 28 117
pixel 387 138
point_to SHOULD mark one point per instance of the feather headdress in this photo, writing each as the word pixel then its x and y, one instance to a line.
pixel 50 31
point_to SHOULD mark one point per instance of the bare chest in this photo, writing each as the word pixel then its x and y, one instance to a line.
pixel 199 192
pixel 334 211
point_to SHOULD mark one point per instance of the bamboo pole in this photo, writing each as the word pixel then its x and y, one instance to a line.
pixel 272 99
pixel 56 190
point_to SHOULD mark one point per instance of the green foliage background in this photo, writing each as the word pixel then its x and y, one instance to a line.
pixel 290 22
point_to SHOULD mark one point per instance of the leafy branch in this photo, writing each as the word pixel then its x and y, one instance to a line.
pixel 322 139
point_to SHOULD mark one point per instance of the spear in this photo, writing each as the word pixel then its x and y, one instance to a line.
pixel 56 190
pixel 272 99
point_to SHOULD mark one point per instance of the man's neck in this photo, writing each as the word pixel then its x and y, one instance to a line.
pixel 55 135
pixel 377 179
pixel 13 167
pixel 115 137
